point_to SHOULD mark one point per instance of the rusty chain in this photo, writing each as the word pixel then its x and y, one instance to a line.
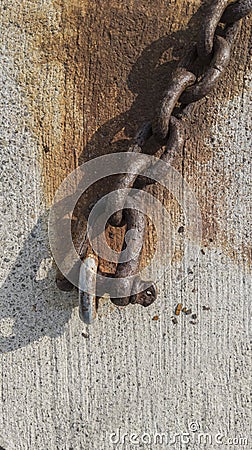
pixel 195 77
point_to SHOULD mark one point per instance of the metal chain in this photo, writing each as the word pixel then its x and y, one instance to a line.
pixel 211 54
pixel 212 50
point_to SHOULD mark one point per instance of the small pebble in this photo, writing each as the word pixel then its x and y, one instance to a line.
pixel 85 335
pixel 46 148
pixel 206 308
pixel 178 309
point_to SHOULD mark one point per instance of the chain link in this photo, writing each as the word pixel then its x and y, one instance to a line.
pixel 236 11
pixel 219 62
pixel 206 35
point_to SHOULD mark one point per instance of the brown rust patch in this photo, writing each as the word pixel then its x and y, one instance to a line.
pixel 94 72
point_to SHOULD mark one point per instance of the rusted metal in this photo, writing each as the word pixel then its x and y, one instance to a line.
pixel 230 32
pixel 216 67
pixel 186 86
pixel 219 11
pixel 124 181
pixel 236 11
pixel 127 180
pixel 180 80
pixel 206 36
pixel 176 139
pixel 175 142
pixel 146 292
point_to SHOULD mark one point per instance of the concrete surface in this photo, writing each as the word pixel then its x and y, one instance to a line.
pixel 63 390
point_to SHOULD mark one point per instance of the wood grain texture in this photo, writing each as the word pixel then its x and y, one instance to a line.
pixel 77 80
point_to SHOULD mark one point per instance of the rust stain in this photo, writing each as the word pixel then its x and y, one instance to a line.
pixel 97 68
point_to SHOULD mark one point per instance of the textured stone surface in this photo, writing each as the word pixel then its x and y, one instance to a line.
pixel 76 76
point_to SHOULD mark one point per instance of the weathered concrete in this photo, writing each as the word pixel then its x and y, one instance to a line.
pixel 60 103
